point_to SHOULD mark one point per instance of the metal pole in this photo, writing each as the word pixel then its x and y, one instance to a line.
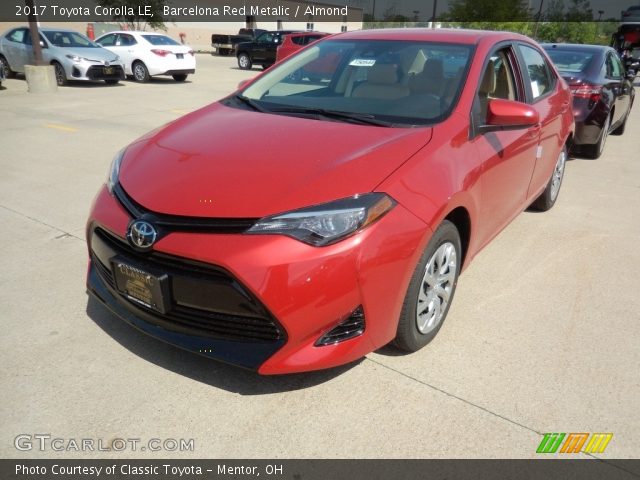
pixel 433 15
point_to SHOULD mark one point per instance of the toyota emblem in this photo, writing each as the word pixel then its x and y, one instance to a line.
pixel 141 234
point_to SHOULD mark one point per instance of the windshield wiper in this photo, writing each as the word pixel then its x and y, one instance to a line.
pixel 251 103
pixel 361 118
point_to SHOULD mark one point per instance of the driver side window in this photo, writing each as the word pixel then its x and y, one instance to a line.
pixel 497 81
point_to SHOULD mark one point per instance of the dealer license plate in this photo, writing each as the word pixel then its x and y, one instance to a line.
pixel 141 286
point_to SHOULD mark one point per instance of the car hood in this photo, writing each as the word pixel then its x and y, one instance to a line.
pixel 97 54
pixel 229 162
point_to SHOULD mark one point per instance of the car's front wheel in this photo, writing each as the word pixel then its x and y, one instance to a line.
pixel 179 77
pixel 548 197
pixel 140 72
pixel 244 62
pixel 61 76
pixel 431 289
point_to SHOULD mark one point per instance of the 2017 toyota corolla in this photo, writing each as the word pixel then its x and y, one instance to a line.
pixel 299 225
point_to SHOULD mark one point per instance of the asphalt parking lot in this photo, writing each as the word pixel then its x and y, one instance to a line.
pixel 543 335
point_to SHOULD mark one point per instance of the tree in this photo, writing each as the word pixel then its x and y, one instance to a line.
pixel 136 21
pixel 488 11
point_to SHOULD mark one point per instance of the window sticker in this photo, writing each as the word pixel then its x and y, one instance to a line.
pixel 362 62
pixel 535 89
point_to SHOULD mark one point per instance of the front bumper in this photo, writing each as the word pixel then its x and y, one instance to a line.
pixel 307 291
pixel 93 71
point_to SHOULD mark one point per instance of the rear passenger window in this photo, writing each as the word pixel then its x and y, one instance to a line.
pixel 614 68
pixel 540 77
pixel 298 40
pixel 17 35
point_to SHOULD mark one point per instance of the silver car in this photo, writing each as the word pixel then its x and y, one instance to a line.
pixel 73 55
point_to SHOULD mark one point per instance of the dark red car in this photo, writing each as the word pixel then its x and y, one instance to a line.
pixel 297 226
pixel 603 93
pixel 297 41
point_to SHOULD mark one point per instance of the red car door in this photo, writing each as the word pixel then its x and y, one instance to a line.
pixel 542 85
pixel 508 156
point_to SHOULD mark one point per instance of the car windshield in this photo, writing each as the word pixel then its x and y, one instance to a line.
pixel 159 40
pixel 69 39
pixel 402 83
pixel 570 61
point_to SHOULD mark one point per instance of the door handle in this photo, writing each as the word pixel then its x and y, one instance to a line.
pixel 534 131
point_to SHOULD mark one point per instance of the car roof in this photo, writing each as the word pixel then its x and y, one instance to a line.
pixel 53 29
pixel 448 35
pixel 137 32
pixel 306 34
pixel 575 47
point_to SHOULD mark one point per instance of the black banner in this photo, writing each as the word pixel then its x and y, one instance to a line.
pixel 320 469
pixel 392 11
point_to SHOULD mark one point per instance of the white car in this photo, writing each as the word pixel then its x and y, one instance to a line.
pixel 146 54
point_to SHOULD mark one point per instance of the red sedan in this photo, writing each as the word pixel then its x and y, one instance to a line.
pixel 298 225
pixel 296 41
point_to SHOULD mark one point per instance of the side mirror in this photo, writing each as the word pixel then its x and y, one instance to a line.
pixel 242 83
pixel 42 44
pixel 509 115
pixel 630 75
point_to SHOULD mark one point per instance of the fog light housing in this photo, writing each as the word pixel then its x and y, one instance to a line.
pixel 75 72
pixel 353 326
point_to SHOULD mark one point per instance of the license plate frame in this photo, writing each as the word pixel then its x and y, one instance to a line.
pixel 141 285
pixel 109 70
pixel 179 56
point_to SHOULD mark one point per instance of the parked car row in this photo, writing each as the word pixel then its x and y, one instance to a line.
pixel 111 57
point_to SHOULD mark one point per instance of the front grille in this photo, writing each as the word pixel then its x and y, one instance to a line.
pixel 205 301
pixel 97 72
pixel 175 223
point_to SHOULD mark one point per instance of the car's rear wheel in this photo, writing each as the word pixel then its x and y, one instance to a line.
pixel 180 78
pixel 431 289
pixel 621 128
pixel 140 72
pixel 7 69
pixel 548 197
pixel 595 151
pixel 61 76
pixel 244 62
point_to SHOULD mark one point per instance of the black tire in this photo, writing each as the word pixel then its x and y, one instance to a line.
pixel 61 75
pixel 244 61
pixel 140 72
pixel 548 197
pixel 595 151
pixel 264 67
pixel 8 73
pixel 621 128
pixel 180 77
pixel 409 337
pixel 114 81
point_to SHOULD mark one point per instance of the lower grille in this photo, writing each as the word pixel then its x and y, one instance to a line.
pixel 99 73
pixel 205 301
pixel 352 327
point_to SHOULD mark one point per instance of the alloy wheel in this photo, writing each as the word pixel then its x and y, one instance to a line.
pixel 436 288
pixel 558 172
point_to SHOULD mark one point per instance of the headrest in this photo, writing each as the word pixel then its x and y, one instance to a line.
pixel 383 74
pixel 433 68
pixel 488 84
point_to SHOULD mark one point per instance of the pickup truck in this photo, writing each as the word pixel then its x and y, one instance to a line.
pixel 261 51
pixel 225 44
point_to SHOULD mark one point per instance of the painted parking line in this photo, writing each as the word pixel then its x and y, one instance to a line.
pixel 60 127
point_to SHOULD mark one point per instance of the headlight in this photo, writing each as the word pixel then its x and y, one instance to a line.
pixel 75 58
pixel 327 223
pixel 114 171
